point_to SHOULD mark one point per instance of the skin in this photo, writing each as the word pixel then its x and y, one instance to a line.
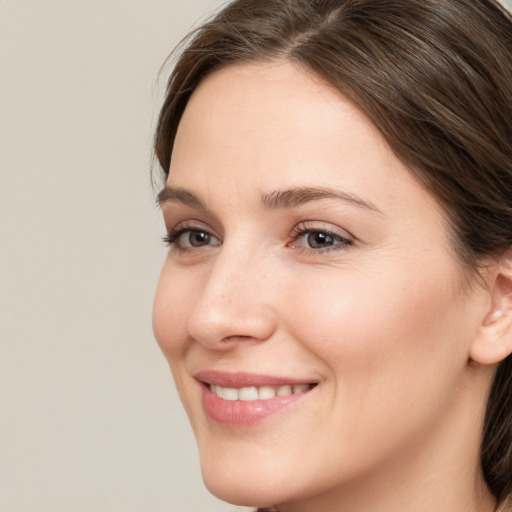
pixel 385 323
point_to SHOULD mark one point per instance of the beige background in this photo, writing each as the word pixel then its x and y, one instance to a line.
pixel 89 420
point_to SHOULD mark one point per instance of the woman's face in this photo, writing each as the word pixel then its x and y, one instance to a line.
pixel 310 282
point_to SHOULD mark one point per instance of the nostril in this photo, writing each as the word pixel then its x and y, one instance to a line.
pixel 237 337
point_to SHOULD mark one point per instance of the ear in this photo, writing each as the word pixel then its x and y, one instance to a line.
pixel 493 342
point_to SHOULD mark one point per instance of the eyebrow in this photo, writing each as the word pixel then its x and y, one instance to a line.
pixel 179 195
pixel 293 197
pixel 279 199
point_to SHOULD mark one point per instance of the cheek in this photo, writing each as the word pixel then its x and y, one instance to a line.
pixel 383 338
pixel 171 307
pixel 173 299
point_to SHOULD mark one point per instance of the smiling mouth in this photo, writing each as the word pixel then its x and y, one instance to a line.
pixel 252 393
pixel 245 399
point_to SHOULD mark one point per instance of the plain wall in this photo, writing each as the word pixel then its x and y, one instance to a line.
pixel 89 419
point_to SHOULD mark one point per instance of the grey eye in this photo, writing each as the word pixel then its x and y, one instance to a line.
pixel 196 238
pixel 320 239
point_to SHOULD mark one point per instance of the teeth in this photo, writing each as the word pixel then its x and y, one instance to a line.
pixel 284 391
pixel 301 388
pixel 258 393
pixel 248 394
pixel 266 392
pixel 230 394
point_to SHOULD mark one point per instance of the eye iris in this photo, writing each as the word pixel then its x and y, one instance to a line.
pixel 317 239
pixel 198 238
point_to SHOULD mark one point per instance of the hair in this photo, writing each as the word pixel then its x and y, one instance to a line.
pixel 435 77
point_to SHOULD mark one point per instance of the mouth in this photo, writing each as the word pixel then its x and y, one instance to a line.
pixel 245 399
pixel 251 393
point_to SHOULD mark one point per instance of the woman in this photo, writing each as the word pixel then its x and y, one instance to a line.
pixel 336 304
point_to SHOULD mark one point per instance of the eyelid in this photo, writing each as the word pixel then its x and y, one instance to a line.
pixel 190 224
pixel 325 227
pixel 185 226
pixel 307 227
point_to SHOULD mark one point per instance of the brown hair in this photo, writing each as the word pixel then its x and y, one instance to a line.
pixel 435 77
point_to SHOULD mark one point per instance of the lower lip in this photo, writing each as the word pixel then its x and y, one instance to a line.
pixel 240 412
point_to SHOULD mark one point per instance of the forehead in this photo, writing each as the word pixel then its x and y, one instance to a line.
pixel 274 120
pixel 262 127
pixel 272 94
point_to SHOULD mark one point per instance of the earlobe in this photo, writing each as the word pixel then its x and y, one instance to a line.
pixel 493 342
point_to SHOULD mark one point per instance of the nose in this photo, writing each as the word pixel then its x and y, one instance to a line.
pixel 235 303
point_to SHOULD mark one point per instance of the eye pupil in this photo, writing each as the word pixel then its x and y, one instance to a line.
pixel 317 239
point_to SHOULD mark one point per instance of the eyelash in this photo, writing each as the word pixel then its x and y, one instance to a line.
pixel 341 242
pixel 299 231
pixel 172 237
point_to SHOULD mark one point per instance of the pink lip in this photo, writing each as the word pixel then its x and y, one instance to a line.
pixel 242 413
pixel 242 379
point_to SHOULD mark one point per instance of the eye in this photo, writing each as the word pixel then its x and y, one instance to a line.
pixel 193 238
pixel 318 239
pixel 190 238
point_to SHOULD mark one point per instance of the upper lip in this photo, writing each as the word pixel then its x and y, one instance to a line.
pixel 242 379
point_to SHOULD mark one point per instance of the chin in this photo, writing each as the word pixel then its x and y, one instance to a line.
pixel 245 482
pixel 242 490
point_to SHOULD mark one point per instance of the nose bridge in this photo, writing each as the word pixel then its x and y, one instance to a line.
pixel 234 303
